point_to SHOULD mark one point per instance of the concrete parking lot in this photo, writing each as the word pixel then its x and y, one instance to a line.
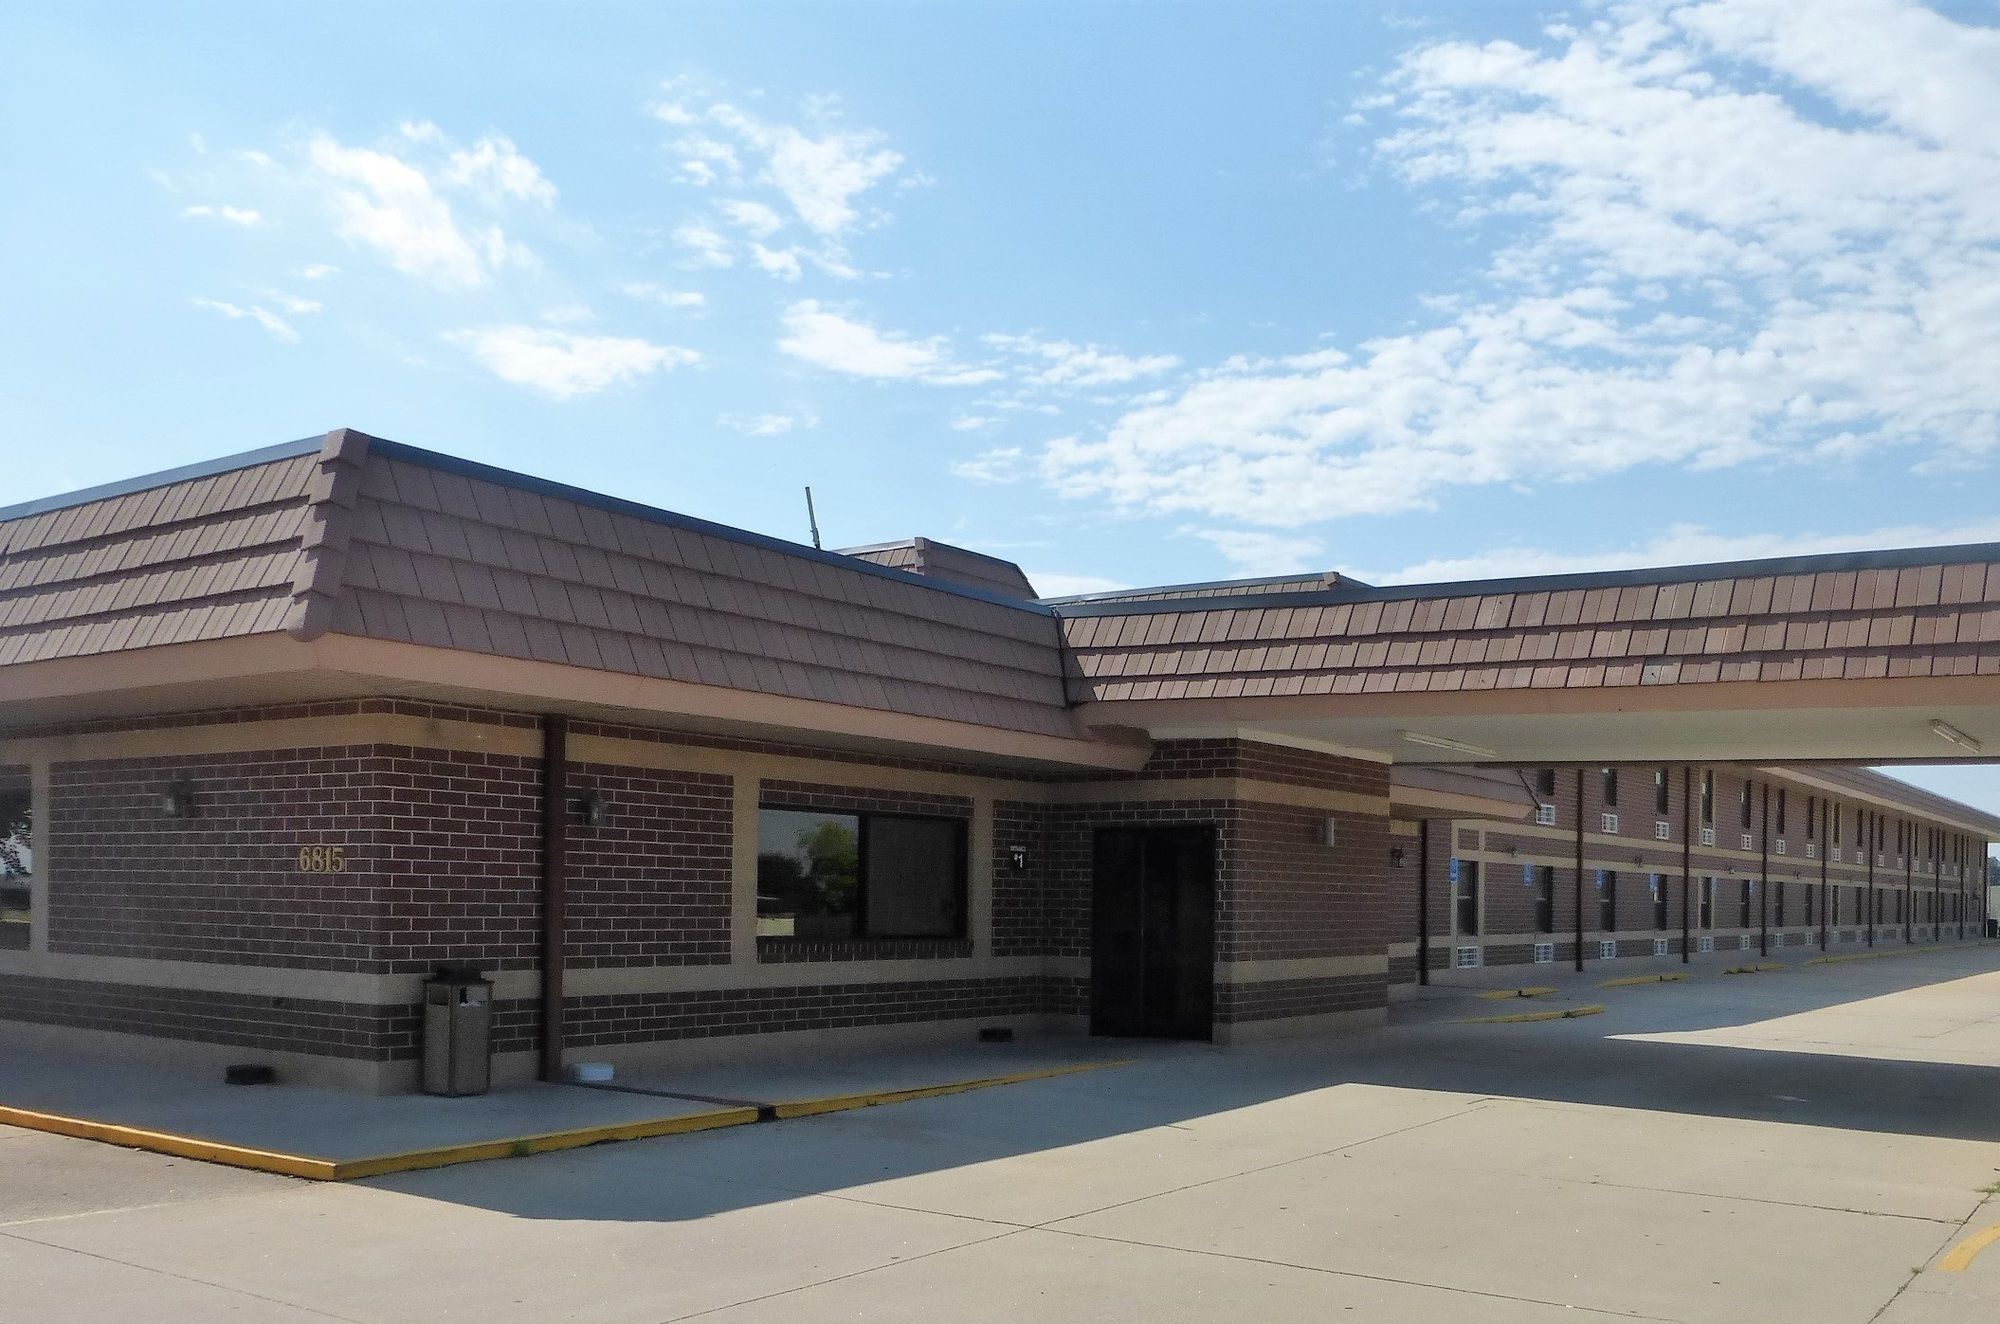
pixel 1802 1144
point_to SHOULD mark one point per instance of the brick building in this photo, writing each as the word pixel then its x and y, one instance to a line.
pixel 282 734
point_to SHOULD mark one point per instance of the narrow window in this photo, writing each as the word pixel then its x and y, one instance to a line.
pixel 1607 900
pixel 1746 805
pixel 1545 898
pixel 1781 811
pixel 1743 905
pixel 1611 788
pixel 1707 799
pixel 1706 895
pixel 1660 791
pixel 17 860
pixel 1465 899
pixel 822 876
pixel 1812 817
pixel 1778 902
pixel 1659 900
pixel 1545 782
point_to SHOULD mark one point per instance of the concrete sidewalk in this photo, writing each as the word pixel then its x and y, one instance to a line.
pixel 304 1131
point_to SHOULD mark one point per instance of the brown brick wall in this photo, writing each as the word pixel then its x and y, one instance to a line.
pixel 1019 921
pixel 651 886
pixel 224 884
pixel 326 1029
pixel 638 1018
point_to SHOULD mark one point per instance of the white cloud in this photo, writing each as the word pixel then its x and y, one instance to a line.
pixel 317 271
pixel 971 423
pixel 494 168
pixel 661 295
pixel 782 262
pixel 246 217
pixel 394 201
pixel 1056 584
pixel 1692 262
pixel 1254 553
pixel 755 217
pixel 705 245
pixel 1002 464
pixel 563 364
pixel 1066 364
pixel 292 304
pixel 816 174
pixel 828 339
pixel 279 328
pixel 1681 544
pixel 766 425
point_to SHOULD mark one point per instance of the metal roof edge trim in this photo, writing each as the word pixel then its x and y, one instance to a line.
pixel 126 486
pixel 638 510
pixel 1820 563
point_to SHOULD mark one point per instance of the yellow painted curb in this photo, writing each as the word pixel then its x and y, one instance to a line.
pixel 1961 1256
pixel 1521 1017
pixel 310 1168
pixel 1868 956
pixel 1630 981
pixel 166 1142
pixel 844 1102
pixel 546 1142
pixel 1531 991
pixel 1763 969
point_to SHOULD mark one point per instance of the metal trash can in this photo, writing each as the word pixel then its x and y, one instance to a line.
pixel 458 1033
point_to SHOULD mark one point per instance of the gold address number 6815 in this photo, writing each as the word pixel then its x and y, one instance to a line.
pixel 322 859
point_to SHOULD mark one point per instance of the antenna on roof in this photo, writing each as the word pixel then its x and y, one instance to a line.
pixel 812 517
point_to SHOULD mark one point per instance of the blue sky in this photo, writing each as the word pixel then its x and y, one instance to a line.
pixel 1130 293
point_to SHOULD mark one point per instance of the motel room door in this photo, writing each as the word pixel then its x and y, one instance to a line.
pixel 1152 932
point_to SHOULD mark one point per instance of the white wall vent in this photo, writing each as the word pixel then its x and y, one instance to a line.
pixel 1545 953
pixel 1812 851
pixel 1659 946
pixel 1778 846
pixel 1607 822
pixel 1545 815
pixel 1607 950
pixel 1662 830
pixel 1742 942
pixel 1835 857
pixel 1705 943
pixel 1465 958
pixel 1708 836
pixel 1749 842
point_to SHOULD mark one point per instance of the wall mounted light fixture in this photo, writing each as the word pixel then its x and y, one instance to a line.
pixel 1396 857
pixel 593 808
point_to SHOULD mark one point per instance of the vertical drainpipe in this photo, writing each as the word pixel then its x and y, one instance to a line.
pixel 555 844
pixel 1937 894
pixel 1687 851
pixel 1909 883
pixel 1579 870
pixel 1824 837
pixel 1423 901
pixel 1868 844
pixel 1764 881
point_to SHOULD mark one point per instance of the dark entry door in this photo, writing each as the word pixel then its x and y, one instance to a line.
pixel 1152 932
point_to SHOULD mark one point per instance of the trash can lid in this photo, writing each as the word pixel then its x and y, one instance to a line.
pixel 459 974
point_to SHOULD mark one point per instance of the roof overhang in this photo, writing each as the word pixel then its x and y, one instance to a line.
pixel 1856 721
pixel 274 668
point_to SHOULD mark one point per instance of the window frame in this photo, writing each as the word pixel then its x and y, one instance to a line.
pixel 961 882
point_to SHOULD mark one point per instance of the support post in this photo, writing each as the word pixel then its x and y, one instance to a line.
pixel 1579 870
pixel 1825 835
pixel 555 888
pixel 1687 851
pixel 1764 881
pixel 1423 901
pixel 1869 828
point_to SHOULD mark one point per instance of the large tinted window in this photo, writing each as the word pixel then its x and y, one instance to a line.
pixel 17 862
pixel 822 875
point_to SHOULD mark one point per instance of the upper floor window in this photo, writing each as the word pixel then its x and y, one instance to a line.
pixel 1659 790
pixel 1611 788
